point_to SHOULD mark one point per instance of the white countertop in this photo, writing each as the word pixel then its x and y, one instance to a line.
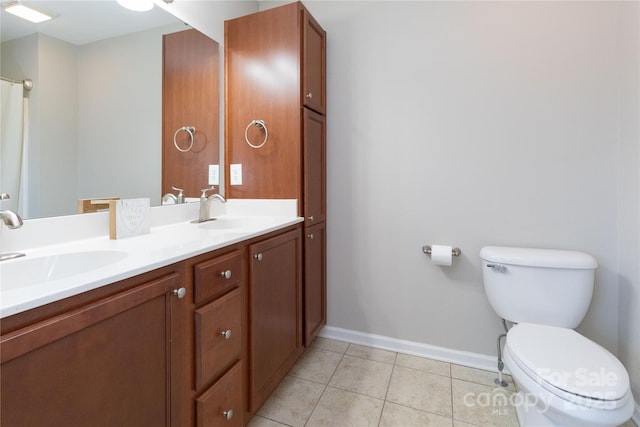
pixel 168 242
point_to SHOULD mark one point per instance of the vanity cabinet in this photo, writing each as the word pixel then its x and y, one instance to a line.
pixel 202 342
pixel 275 316
pixel 275 68
pixel 96 359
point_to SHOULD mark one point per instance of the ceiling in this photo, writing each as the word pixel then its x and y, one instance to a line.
pixel 83 21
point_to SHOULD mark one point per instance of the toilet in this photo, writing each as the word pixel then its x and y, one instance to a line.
pixel 562 377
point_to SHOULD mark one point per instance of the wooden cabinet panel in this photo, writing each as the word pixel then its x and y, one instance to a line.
pixel 106 363
pixel 275 335
pixel 313 64
pixel 262 59
pixel 219 332
pixel 315 281
pixel 190 97
pixel 221 405
pixel 215 276
pixel 315 167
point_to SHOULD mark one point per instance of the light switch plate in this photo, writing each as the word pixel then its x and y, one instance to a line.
pixel 214 175
pixel 236 174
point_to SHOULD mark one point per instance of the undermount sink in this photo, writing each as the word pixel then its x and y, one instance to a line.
pixel 24 272
pixel 239 223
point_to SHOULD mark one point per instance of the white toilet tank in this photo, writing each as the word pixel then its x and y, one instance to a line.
pixel 542 286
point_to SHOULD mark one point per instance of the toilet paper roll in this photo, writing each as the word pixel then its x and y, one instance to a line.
pixel 441 254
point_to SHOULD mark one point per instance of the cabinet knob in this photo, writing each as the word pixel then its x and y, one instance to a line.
pixel 180 292
pixel 228 414
pixel 310 218
pixel 258 257
pixel 309 95
pixel 310 236
pixel 226 274
pixel 226 334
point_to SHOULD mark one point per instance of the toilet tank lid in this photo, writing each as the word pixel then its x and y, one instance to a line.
pixel 549 258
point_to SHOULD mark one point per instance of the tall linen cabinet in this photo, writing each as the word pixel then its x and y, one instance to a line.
pixel 275 128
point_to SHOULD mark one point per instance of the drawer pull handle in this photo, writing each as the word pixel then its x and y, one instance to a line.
pixel 180 293
pixel 226 274
pixel 309 95
pixel 226 334
pixel 310 218
pixel 228 414
pixel 258 257
pixel 310 236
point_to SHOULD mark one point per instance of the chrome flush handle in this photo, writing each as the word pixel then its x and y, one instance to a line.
pixel 498 268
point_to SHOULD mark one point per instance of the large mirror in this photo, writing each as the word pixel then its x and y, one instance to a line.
pixel 94 115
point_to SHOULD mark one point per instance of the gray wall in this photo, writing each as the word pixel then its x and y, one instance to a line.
pixel 629 194
pixel 120 116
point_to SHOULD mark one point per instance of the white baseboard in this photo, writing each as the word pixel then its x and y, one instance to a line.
pixel 465 358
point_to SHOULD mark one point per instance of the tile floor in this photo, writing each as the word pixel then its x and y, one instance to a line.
pixel 336 384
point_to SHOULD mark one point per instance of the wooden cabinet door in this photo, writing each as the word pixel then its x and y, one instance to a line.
pixel 315 167
pixel 313 64
pixel 103 364
pixel 275 318
pixel 315 281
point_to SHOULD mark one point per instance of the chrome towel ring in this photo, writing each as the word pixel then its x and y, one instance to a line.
pixel 188 129
pixel 260 125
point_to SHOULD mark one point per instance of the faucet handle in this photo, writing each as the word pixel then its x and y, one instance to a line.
pixel 4 196
pixel 204 190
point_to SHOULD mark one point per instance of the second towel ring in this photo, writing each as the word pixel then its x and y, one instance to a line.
pixel 188 129
pixel 260 125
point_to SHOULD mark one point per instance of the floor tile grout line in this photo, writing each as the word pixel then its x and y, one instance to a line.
pixel 324 389
pixel 384 400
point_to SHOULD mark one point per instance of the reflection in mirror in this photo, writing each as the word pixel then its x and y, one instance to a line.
pixel 93 121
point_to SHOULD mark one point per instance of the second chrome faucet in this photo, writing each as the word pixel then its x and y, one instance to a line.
pixel 205 204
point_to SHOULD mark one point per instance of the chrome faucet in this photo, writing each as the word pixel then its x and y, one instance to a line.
pixel 11 220
pixel 179 199
pixel 205 203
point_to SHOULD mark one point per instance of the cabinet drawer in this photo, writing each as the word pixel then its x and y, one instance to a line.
pixel 218 336
pixel 217 275
pixel 221 405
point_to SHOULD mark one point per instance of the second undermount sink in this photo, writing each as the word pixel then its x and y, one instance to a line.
pixel 30 271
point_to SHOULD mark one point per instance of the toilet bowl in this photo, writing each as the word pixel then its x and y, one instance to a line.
pixel 564 379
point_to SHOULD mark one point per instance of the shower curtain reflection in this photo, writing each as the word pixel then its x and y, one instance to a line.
pixel 12 143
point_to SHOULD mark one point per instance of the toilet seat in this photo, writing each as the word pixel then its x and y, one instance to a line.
pixel 569 365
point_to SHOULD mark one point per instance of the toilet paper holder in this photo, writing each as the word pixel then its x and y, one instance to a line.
pixel 454 251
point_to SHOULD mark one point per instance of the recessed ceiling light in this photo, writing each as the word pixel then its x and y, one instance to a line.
pixel 137 5
pixel 24 12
